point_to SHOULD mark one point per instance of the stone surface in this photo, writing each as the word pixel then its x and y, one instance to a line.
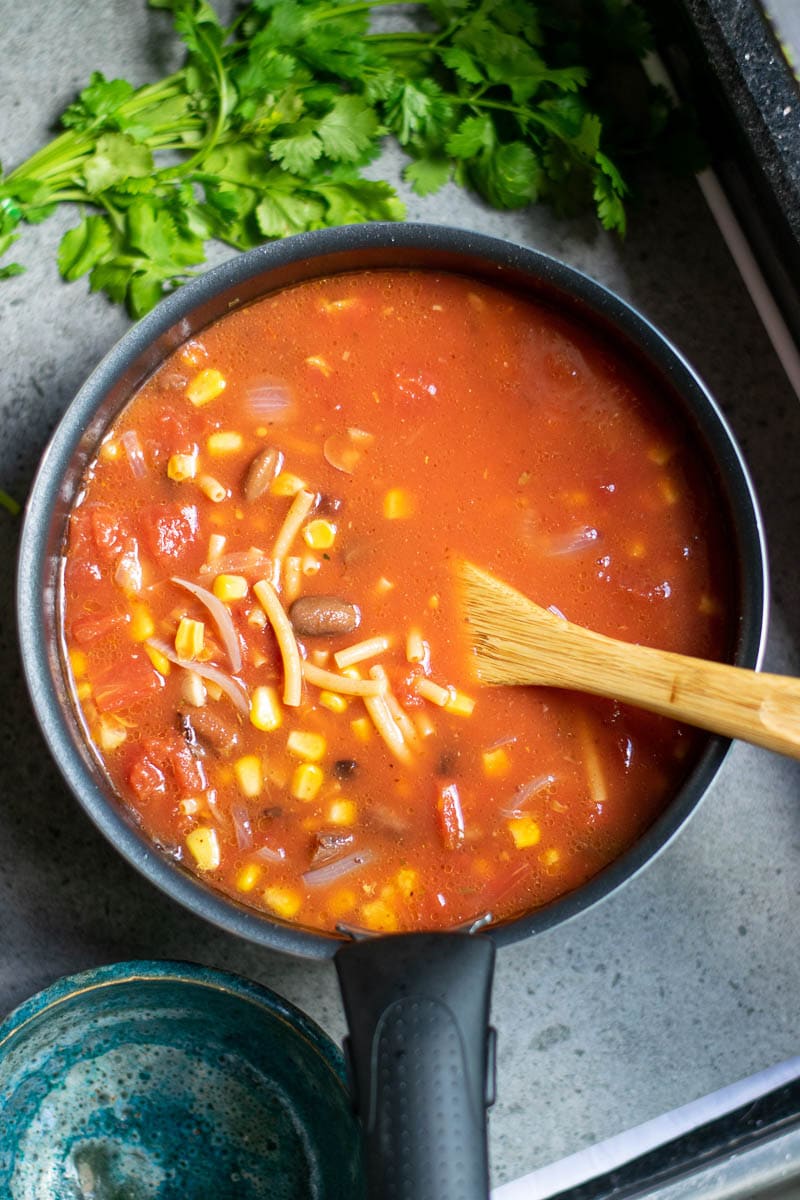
pixel 682 982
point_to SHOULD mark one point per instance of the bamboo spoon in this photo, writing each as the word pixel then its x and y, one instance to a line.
pixel 516 641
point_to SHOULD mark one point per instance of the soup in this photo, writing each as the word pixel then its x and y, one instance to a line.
pixel 261 622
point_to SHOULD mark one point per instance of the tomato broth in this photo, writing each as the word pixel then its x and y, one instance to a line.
pixel 305 731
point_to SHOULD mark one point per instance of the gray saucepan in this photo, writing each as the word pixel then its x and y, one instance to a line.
pixel 420 1050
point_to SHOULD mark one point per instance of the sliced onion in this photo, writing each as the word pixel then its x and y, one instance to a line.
pixel 135 455
pixel 240 562
pixel 320 876
pixel 556 612
pixel 270 854
pixel 234 690
pixel 242 826
pixel 572 542
pixel 526 792
pixel 267 399
pixel 221 618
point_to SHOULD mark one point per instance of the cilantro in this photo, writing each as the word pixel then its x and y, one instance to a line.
pixel 265 129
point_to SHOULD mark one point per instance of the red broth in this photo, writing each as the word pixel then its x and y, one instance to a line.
pixel 399 421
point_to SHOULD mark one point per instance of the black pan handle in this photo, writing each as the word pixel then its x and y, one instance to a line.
pixel 421 1059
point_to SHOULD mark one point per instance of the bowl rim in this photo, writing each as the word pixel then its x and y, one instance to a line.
pixel 602 309
pixel 180 975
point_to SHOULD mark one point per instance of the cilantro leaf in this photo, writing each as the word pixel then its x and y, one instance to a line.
pixel 83 247
pixel 347 131
pixel 427 175
pixel 116 157
pixel 97 104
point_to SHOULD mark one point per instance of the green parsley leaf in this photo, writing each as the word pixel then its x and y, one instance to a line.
pixel 427 175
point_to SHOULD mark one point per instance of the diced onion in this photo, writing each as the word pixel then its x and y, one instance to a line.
pixel 128 573
pixel 234 690
pixel 270 854
pixel 134 453
pixel 221 618
pixel 331 872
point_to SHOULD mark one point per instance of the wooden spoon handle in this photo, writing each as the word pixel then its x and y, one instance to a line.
pixel 759 708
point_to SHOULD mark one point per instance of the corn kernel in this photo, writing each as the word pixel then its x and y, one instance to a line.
pixel 110 451
pixel 224 441
pixel 212 489
pixel 284 902
pixel 203 844
pixel 189 638
pixel 266 712
pixel 230 587
pixel 78 662
pixel 708 606
pixel 459 703
pixel 342 812
pixel 213 689
pixel 549 858
pixel 433 601
pixel 248 877
pixel 342 901
pixel 181 467
pixel 668 491
pixel 377 914
pixel 247 771
pixel 159 660
pixel 398 504
pixel 306 781
pixel 660 455
pixel 495 762
pixel 320 364
pixel 319 534
pixel 332 701
pixel 524 831
pixel 286 484
pixel 407 882
pixel 83 690
pixel 205 386
pixel 111 733
pixel 306 745
pixel 362 729
pixel 142 625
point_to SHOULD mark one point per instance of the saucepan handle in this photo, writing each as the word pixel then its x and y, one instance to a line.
pixel 421 1059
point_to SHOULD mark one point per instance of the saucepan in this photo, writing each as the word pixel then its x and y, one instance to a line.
pixel 420 1049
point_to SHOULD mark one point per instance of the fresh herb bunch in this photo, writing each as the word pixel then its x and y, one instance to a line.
pixel 265 130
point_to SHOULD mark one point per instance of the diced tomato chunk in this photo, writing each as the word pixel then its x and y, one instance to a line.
pixel 188 770
pixel 450 816
pixel 403 685
pixel 170 529
pixel 129 679
pixel 146 778
pixel 94 626
pixel 110 532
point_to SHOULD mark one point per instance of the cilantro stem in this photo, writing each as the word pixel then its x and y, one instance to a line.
pixel 10 504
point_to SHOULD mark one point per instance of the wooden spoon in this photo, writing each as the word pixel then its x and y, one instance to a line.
pixel 516 641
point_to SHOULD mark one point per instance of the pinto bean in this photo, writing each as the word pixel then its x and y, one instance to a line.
pixel 323 616
pixel 208 729
pixel 261 472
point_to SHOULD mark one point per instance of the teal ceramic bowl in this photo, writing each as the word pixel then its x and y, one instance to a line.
pixel 168 1081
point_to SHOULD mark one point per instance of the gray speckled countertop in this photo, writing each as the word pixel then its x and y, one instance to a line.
pixel 687 979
